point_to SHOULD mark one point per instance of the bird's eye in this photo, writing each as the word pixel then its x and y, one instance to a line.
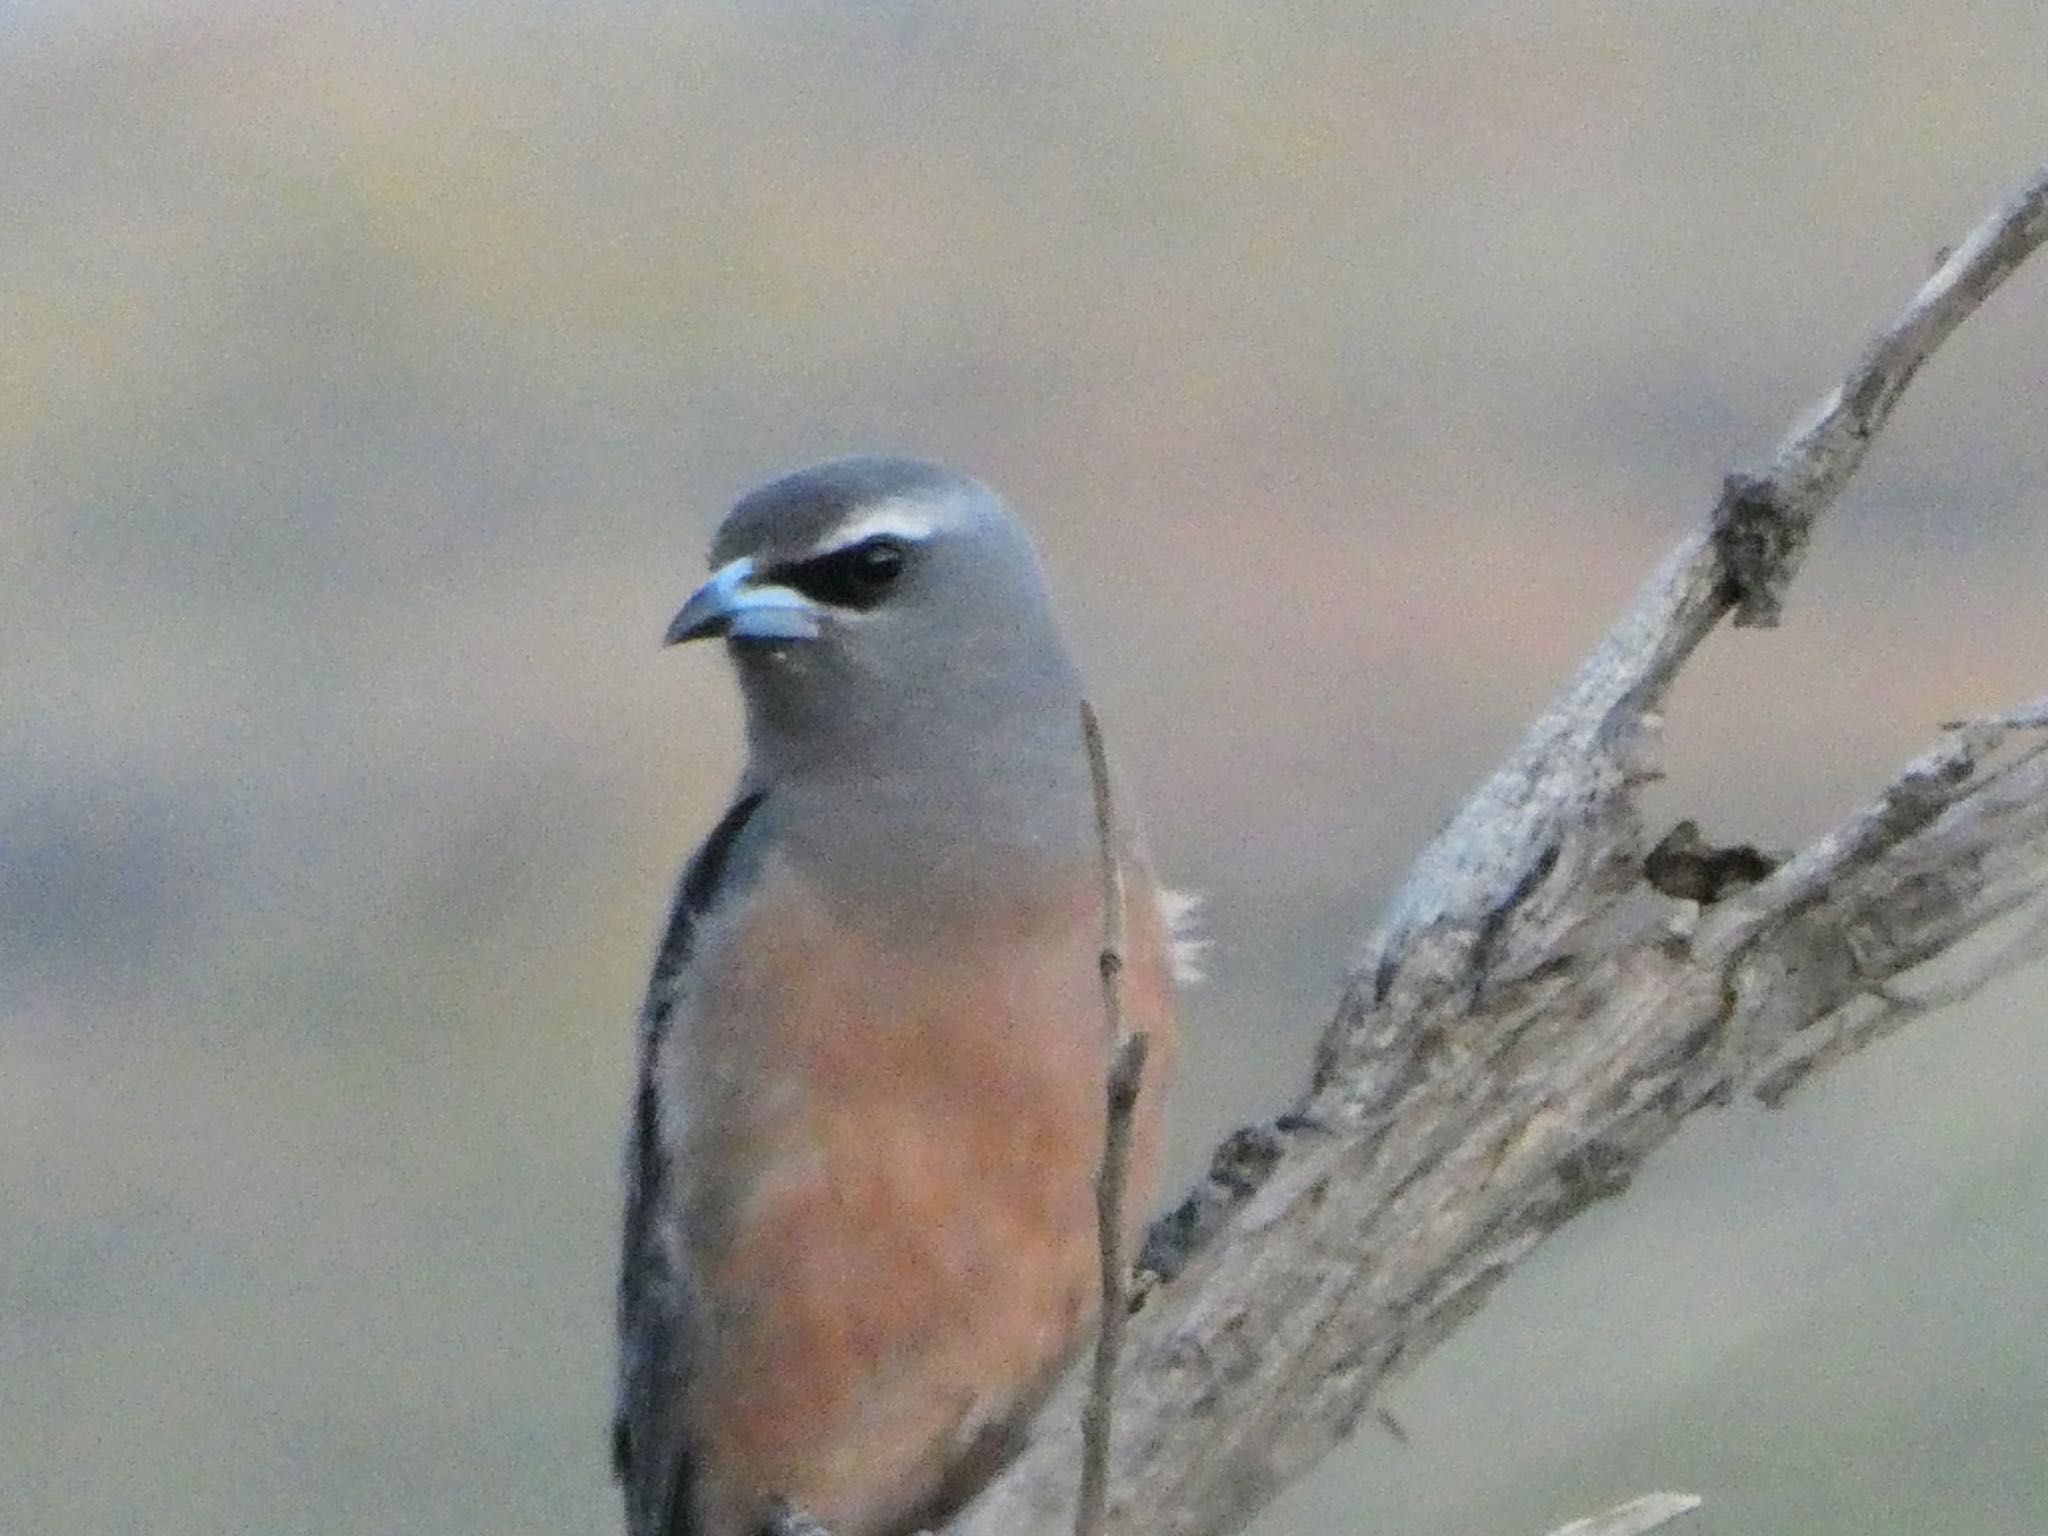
pixel 856 577
pixel 878 561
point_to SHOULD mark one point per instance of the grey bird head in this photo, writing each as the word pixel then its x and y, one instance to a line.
pixel 879 605
pixel 896 648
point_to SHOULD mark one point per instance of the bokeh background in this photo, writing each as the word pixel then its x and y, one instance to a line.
pixel 372 374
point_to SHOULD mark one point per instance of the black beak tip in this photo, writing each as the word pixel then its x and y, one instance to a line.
pixel 687 626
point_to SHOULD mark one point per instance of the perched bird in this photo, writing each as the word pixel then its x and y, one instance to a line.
pixel 860 1238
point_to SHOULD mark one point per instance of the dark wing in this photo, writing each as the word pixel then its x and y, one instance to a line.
pixel 649 1456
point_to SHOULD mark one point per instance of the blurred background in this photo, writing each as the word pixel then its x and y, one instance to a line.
pixel 371 376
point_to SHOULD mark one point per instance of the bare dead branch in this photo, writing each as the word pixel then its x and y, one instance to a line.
pixel 1533 1017
pixel 1538 830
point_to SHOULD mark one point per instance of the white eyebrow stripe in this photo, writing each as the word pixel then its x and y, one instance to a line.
pixel 897 519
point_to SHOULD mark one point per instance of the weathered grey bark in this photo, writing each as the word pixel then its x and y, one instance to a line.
pixel 1534 1016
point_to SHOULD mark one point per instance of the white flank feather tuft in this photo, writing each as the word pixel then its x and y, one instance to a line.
pixel 1182 910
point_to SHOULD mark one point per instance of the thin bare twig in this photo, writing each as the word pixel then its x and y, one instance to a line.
pixel 1125 1072
pixel 1111 957
pixel 1634 1517
pixel 2028 717
pixel 1126 1069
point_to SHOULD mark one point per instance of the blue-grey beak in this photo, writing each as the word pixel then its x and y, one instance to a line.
pixel 733 605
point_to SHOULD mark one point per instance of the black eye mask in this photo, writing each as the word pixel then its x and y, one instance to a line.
pixel 857 577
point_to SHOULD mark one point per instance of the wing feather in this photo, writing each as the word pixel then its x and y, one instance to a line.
pixel 649 1456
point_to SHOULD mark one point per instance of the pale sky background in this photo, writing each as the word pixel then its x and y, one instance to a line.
pixel 371 376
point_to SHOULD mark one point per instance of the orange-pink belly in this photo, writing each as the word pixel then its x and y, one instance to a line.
pixel 892 1163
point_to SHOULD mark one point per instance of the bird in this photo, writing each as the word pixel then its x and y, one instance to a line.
pixel 860 1240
